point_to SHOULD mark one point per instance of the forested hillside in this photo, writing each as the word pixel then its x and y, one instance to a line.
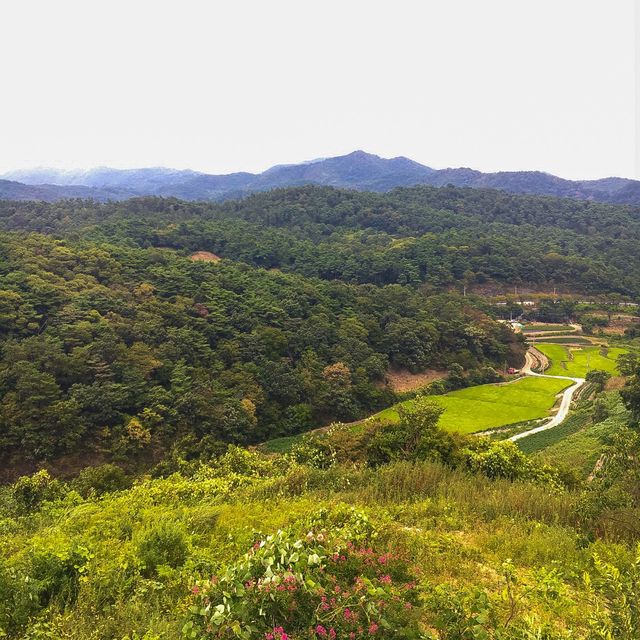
pixel 121 351
pixel 422 235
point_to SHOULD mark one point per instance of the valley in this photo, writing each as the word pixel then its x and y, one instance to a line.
pixel 204 405
pixel 259 383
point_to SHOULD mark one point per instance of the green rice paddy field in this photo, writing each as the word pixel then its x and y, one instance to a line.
pixel 475 409
pixel 577 362
pixel 489 406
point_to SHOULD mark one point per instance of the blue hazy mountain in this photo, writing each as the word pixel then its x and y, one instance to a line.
pixel 357 170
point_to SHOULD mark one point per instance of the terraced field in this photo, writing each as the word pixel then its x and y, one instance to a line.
pixel 489 406
pixel 551 339
pixel 540 327
pixel 577 362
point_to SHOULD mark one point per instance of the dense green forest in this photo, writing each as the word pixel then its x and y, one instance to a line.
pixel 437 236
pixel 121 351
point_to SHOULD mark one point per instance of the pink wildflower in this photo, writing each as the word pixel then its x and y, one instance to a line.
pixel 373 628
pixel 321 631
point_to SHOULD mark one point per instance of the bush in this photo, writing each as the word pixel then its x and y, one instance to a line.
pixel 599 378
pixel 416 436
pixel 456 379
pixel 18 601
pixel 484 375
pixel 620 589
pixel 317 586
pixel 164 545
pixel 600 411
pixel 56 574
pixel 99 480
pixel 503 459
pixel 29 492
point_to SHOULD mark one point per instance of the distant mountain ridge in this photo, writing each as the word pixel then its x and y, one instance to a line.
pixel 357 170
pixel 12 190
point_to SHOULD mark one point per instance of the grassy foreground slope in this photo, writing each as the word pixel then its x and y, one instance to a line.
pixel 435 553
pixel 583 438
pixel 490 405
pixel 577 362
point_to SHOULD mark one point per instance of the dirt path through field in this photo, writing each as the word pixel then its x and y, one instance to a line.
pixel 533 358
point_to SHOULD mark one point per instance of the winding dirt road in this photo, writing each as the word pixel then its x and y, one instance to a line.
pixel 532 357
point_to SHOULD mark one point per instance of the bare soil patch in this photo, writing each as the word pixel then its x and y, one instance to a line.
pixel 615 383
pixel 204 256
pixel 401 380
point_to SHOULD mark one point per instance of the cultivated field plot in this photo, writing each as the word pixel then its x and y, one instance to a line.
pixel 556 328
pixel 577 362
pixel 489 406
pixel 561 340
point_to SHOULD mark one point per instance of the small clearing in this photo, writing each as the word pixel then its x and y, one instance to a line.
pixel 401 380
pixel 615 383
pixel 204 256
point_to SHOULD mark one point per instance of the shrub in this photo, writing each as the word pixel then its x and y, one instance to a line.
pixel 29 492
pixel 600 410
pixel 460 615
pixel 99 480
pixel 503 459
pixel 598 377
pixel 415 436
pixel 18 600
pixel 318 586
pixel 314 451
pixel 243 462
pixel 164 545
pixel 56 574
pixel 484 375
pixel 620 590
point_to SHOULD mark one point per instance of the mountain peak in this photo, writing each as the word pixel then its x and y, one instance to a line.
pixel 359 170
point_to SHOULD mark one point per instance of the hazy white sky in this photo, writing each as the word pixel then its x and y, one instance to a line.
pixel 222 86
